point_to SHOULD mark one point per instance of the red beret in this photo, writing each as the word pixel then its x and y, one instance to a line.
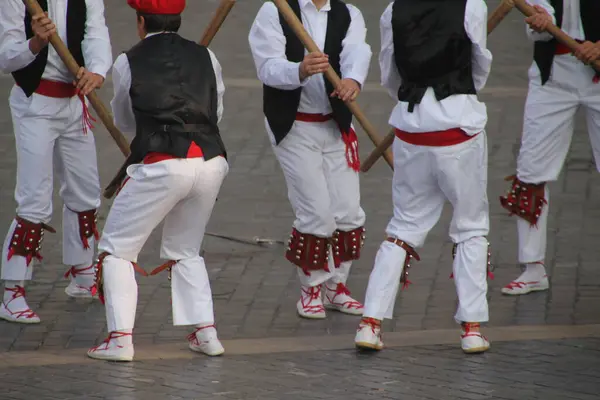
pixel 172 7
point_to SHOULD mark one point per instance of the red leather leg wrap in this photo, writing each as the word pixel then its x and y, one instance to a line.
pixel 308 252
pixel 410 254
pixel 347 245
pixel 88 226
pixel 27 240
pixel 525 200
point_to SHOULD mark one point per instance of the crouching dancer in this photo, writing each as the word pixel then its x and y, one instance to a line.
pixel 434 61
pixel 169 91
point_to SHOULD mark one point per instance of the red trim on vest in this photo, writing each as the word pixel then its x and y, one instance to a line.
pixel 448 137
pixel 349 138
pixel 194 151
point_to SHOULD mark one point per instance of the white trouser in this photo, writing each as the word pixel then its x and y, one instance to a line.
pixel 323 190
pixel 49 133
pixel 183 193
pixel 547 131
pixel 424 177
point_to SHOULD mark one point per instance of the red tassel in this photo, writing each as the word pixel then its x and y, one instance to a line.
pixel 596 78
pixel 405 284
pixel 351 142
pixel 86 244
pixel 86 116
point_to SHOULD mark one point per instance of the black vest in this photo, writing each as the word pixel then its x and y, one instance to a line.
pixel 174 98
pixel 29 78
pixel 432 49
pixel 543 52
pixel 280 106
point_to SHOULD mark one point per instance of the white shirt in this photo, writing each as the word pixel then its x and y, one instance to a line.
pixel 121 102
pixel 456 111
pixel 267 43
pixel 571 20
pixel 14 47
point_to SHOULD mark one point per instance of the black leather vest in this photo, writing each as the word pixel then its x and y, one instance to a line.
pixel 543 52
pixel 280 106
pixel 174 98
pixel 432 49
pixel 29 78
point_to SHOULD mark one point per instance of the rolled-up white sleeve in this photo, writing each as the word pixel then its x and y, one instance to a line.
pixel 96 47
pixel 390 78
pixel 356 53
pixel 220 84
pixel 476 28
pixel 121 102
pixel 543 36
pixel 14 46
pixel 267 44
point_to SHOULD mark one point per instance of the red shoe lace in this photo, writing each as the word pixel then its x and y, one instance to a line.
pixel 467 327
pixel 372 323
pixel 342 289
pixel 313 293
pixel 192 337
pixel 111 336
pixel 520 285
pixel 18 291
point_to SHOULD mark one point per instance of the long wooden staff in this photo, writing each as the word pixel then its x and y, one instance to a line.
pixel 330 74
pixel 33 7
pixel 213 27
pixel 493 21
pixel 554 30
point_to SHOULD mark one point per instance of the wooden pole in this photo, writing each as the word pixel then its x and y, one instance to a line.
pixel 493 21
pixel 33 7
pixel 213 27
pixel 330 74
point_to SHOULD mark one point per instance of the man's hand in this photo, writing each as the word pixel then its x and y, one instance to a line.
pixel 314 63
pixel 539 21
pixel 347 90
pixel 588 52
pixel 42 28
pixel 87 81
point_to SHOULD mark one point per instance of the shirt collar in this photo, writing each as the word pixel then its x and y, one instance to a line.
pixel 155 33
pixel 326 7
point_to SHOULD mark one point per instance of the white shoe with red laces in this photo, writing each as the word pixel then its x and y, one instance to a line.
pixel 338 298
pixel 310 304
pixel 205 340
pixel 118 346
pixel 522 286
pixel 368 335
pixel 473 342
pixel 14 308
pixel 82 281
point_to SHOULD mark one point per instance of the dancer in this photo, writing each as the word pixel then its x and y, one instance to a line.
pixel 52 130
pixel 310 129
pixel 434 60
pixel 168 91
pixel 558 84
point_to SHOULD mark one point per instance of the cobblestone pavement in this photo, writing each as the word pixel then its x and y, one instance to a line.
pixel 255 289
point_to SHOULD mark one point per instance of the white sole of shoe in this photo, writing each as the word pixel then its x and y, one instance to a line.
pixel 78 294
pixel 476 350
pixel 27 321
pixel 343 310
pixel 367 346
pixel 215 354
pixel 312 316
pixel 109 358
pixel 521 293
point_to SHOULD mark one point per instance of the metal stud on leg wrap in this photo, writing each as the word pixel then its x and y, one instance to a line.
pixel 347 245
pixel 525 200
pixel 308 252
pixel 26 240
pixel 88 221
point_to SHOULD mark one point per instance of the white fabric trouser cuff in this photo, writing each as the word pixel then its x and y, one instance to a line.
pixel 532 239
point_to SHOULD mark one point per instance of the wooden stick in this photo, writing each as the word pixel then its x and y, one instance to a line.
pixel 213 27
pixel 493 21
pixel 554 30
pixel 33 7
pixel 330 74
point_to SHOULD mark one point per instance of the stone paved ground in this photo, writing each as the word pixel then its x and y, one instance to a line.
pixel 255 288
